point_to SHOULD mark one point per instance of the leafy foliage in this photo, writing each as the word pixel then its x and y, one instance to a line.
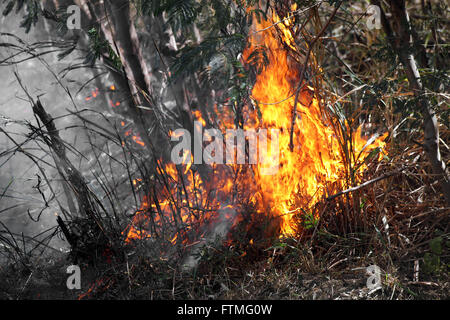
pixel 101 48
pixel 33 10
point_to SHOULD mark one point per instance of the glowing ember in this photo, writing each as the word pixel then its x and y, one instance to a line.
pixel 93 95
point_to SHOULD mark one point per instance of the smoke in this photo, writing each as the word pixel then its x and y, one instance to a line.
pixel 23 188
pixel 218 232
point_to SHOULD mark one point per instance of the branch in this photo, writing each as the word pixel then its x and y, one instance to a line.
pixel 402 41
pixel 365 184
pixel 302 74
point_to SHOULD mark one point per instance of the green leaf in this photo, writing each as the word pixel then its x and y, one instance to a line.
pixel 436 245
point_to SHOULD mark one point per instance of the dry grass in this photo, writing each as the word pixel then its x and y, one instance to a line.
pixel 391 223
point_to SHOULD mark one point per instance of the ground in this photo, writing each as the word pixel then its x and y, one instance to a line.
pixel 266 279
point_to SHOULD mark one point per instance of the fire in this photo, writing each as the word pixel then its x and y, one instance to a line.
pixel 316 164
pixel 313 170
pixel 184 202
pixel 93 95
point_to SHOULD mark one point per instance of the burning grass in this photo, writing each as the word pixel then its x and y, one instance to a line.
pixel 321 163
pixel 339 202
pixel 392 228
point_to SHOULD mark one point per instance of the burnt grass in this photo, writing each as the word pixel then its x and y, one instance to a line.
pixel 318 265
pixel 288 273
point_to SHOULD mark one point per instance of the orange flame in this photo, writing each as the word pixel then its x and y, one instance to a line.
pixel 307 174
pixel 316 162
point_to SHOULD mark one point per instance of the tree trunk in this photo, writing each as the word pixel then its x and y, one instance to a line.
pixel 402 41
pixel 115 25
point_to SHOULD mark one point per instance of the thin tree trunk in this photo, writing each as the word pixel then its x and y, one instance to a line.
pixel 402 42
pixel 115 25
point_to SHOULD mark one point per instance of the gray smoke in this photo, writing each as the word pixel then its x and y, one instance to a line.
pixel 20 179
pixel 219 232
